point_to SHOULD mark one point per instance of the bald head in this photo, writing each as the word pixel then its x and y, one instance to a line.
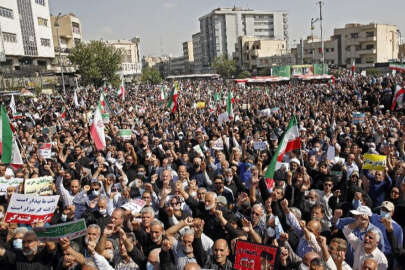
pixel 369 264
pixel 314 226
pixel 309 256
pixel 192 266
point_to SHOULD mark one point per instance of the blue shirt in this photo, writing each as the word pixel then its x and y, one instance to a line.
pixel 375 219
pixel 377 190
pixel 360 234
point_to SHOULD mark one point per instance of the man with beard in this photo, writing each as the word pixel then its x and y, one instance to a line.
pixel 181 251
pixel 31 256
pixel 152 239
pixel 93 234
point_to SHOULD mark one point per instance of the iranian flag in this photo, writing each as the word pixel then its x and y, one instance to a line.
pixel 105 106
pixel 354 67
pixel 398 100
pixel 162 93
pixel 229 104
pixel 97 129
pixel 63 113
pixel 290 142
pixel 172 105
pixel 10 154
pixel 121 91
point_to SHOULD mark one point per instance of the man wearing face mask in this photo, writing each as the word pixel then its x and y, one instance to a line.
pixel 98 215
pixel 18 236
pixel 31 256
pixel 67 215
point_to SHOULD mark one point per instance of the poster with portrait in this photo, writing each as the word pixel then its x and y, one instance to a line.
pixel 255 256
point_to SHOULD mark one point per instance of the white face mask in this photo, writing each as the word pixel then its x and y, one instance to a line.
pixel 103 211
pixel 29 252
pixel 63 217
pixel 110 254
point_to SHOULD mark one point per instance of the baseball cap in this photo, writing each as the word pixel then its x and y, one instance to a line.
pixel 362 210
pixel 388 205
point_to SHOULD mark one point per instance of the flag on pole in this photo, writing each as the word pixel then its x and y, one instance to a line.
pixel 289 142
pixel 121 91
pixel 162 93
pixel 12 105
pixel 10 154
pixel 172 105
pixel 75 99
pixel 398 100
pixel 97 129
pixel 105 106
pixel 229 104
pixel 354 67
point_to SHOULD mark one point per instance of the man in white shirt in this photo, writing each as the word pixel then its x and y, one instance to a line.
pixel 366 249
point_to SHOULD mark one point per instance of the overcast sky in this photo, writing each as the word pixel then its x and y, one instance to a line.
pixel 163 25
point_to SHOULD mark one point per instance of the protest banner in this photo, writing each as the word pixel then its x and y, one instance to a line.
pixel 125 134
pixel 135 206
pixel 222 118
pixel 38 185
pixel 330 153
pixel 5 183
pixel 255 256
pixel 198 149
pixel 259 145
pixel 45 150
pixel 106 118
pixel 358 117
pixel 200 105
pixel 218 144
pixel 27 209
pixel 71 230
pixel 374 162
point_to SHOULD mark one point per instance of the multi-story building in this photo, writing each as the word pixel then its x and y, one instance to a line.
pixel 66 34
pixel 26 34
pixel 130 62
pixel 252 53
pixel 366 44
pixel 183 64
pixel 401 54
pixel 197 53
pixel 220 29
pixel 160 63
pixel 309 51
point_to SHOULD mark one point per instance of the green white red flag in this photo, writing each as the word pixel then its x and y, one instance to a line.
pixel 172 105
pixel 97 129
pixel 398 100
pixel 229 104
pixel 121 91
pixel 10 154
pixel 290 141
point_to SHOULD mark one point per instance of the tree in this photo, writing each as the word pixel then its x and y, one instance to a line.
pixel 244 74
pixel 97 62
pixel 224 67
pixel 150 75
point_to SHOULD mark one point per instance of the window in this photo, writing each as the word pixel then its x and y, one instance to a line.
pixel 370 34
pixel 76 28
pixel 5 12
pixel 358 47
pixel 347 48
pixel 46 42
pixel 332 49
pixel 354 35
pixel 369 46
pixel 77 41
pixel 9 37
pixel 40 2
pixel 42 21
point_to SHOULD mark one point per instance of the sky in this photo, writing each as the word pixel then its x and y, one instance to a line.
pixel 163 25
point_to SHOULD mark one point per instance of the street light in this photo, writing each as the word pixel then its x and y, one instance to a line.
pixel 56 24
pixel 313 21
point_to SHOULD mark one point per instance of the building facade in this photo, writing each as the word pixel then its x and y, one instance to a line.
pixel 130 62
pixel 66 34
pixel 252 53
pixel 220 29
pixel 26 34
pixel 197 53
pixel 401 54
pixel 309 51
pixel 366 44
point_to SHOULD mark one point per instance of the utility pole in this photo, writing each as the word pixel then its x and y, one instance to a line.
pixel 320 3
pixel 313 21
pixel 302 51
pixel 60 49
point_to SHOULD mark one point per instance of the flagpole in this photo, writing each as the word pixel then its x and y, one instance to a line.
pixel 20 145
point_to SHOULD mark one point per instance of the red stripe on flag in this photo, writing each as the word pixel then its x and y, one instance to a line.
pixel 97 140
pixel 291 145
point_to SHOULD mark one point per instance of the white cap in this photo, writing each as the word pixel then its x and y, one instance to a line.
pixel 362 210
pixel 9 172
pixel 296 161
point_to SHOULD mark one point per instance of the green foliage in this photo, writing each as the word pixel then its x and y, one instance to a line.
pixel 224 67
pixel 373 72
pixel 150 75
pixel 244 74
pixel 97 62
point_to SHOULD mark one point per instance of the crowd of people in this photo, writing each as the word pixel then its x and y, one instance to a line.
pixel 323 212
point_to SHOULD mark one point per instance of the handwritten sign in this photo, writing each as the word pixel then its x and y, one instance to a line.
pixel 135 206
pixel 27 209
pixel 5 183
pixel 39 185
pixel 330 154
pixel 254 256
pixel 259 145
pixel 71 230
pixel 358 117
pixel 218 144
pixel 45 150
pixel 125 134
pixel 374 162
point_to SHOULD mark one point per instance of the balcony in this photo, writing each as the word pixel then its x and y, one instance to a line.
pixel 368 39
pixel 367 51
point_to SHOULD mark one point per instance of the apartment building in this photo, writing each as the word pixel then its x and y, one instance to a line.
pixel 130 62
pixel 197 53
pixel 183 64
pixel 26 35
pixel 309 51
pixel 221 28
